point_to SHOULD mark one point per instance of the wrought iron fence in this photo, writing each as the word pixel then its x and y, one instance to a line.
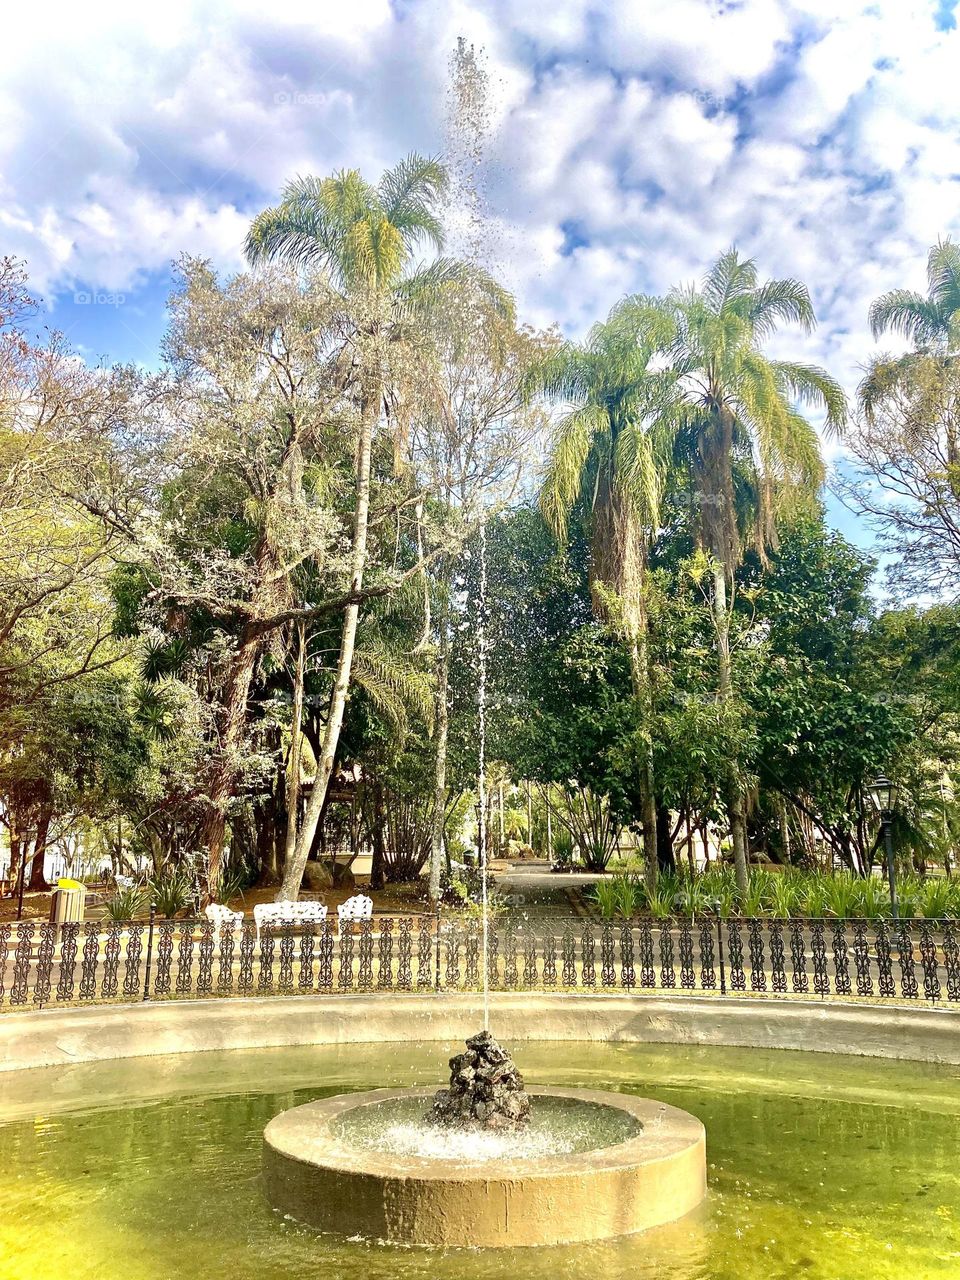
pixel 42 964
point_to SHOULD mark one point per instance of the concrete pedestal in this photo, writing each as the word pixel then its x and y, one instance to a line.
pixel 312 1173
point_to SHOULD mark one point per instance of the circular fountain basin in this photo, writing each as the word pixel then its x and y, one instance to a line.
pixel 349 1164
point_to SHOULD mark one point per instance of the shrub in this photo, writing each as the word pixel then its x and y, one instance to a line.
pixel 620 897
pixel 692 896
pixel 938 899
pixel 786 894
pixel 759 894
pixel 170 890
pixel 562 852
pixel 604 894
pixel 842 896
pixel 127 903
pixel 596 856
pixel 720 885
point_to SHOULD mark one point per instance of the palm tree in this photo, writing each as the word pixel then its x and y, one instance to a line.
pixel 931 321
pixel 363 239
pixel 603 452
pixel 736 407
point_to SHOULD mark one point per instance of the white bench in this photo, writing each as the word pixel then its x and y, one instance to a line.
pixel 355 909
pixel 222 917
pixel 272 914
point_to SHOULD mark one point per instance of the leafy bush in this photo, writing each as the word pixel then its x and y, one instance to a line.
pixel 171 890
pixel 127 903
pixel 786 895
pixel 874 903
pixel 842 896
pixel 660 903
pixel 604 894
pixel 563 849
pixel 939 898
pixel 461 887
pixel 758 898
pixel 619 897
pixel 791 893
pixel 720 885
pixel 692 896
pixel 236 877
pixel 596 855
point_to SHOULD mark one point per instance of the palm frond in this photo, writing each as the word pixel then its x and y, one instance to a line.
pixel 409 193
pixel 563 374
pixel 943 274
pixel 395 685
pixel 561 485
pixel 908 313
pixel 418 293
pixel 781 300
pixel 297 230
pixel 637 475
pixel 729 278
pixel 809 384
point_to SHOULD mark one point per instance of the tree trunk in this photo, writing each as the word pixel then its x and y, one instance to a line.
pixel 640 671
pixel 666 861
pixel 378 861
pixel 296 737
pixel 293 871
pixel 691 861
pixel 734 786
pixel 226 769
pixel 440 777
pixel 38 881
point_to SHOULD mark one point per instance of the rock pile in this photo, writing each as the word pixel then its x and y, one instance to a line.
pixel 486 1089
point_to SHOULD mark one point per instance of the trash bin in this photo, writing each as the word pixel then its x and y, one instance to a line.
pixel 67 903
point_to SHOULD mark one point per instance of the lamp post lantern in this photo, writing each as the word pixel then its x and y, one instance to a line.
pixel 883 796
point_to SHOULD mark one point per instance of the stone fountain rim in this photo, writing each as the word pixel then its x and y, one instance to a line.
pixel 285 1134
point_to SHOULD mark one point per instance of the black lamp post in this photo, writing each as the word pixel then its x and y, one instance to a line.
pixel 883 796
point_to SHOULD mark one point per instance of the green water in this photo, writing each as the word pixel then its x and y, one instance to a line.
pixel 821 1168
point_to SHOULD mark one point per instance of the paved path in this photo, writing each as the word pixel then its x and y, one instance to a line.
pixel 534 885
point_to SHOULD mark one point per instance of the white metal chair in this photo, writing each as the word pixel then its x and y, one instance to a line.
pixel 222 917
pixel 355 910
pixel 271 914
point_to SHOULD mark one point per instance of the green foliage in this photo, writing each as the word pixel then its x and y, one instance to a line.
pixel 171 891
pixel 619 897
pixel 782 895
pixel 127 903
pixel 562 848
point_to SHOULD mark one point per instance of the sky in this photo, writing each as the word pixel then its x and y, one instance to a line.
pixel 631 142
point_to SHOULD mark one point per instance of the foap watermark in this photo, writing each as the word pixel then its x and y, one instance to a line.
pixel 289 98
pixel 695 499
pixel 98 298
pixel 709 103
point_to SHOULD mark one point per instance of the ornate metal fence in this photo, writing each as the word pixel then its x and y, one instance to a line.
pixel 43 964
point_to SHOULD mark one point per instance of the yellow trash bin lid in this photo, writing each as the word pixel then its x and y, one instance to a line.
pixel 69 884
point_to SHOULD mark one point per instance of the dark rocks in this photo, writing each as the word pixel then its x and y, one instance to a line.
pixel 486 1089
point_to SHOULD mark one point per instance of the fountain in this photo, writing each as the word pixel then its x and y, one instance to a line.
pixel 490 1164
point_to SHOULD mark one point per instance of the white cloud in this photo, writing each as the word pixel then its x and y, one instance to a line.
pixel 632 141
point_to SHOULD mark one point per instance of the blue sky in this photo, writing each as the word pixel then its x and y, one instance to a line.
pixel 629 144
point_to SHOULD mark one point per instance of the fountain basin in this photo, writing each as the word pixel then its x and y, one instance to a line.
pixel 315 1173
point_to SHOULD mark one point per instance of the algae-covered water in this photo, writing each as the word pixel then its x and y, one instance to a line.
pixel 820 1168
